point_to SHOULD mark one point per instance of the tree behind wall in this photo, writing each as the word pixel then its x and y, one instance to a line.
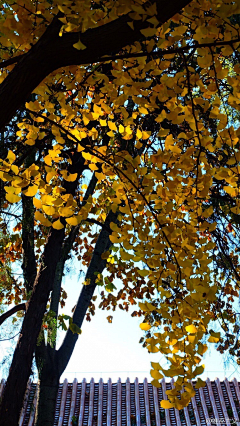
pixel 142 128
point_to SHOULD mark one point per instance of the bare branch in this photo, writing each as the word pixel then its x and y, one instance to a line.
pixel 10 214
pixel 17 308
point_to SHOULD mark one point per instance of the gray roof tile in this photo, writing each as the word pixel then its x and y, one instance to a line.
pixel 136 404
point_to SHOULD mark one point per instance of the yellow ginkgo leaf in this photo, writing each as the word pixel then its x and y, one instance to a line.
pixel 138 134
pixel 87 156
pixel 114 238
pixel 200 383
pixel 199 370
pixel 100 176
pixel 156 375
pixel 155 365
pixel 143 272
pixel 191 328
pixel 144 326
pixel 230 190
pixel 79 45
pixel 155 383
pixel 121 129
pixel 147 307
pixel 57 224
pixel 166 404
pixel 37 203
pixel 80 148
pixel 213 339
pixel 143 306
pixel 31 191
pixel 30 141
pixel 65 211
pixel 11 157
pixel 153 349
pixel 148 32
pixel 49 210
pixel 112 126
pixel 12 198
pixel 143 110
pixel 12 190
pixel 69 177
pixel 50 175
pixel 131 25
pixel 93 167
pixel 41 218
pixel 73 221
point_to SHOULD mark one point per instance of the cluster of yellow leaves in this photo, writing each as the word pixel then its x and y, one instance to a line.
pixel 159 181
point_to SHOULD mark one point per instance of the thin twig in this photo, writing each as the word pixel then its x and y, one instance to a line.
pixel 170 51
pixel 10 338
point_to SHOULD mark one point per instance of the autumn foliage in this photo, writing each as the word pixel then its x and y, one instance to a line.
pixel 141 142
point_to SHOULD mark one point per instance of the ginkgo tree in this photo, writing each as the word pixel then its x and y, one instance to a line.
pixel 122 116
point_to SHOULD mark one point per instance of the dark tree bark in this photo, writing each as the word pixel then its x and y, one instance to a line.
pixel 29 262
pixel 48 383
pixel 29 266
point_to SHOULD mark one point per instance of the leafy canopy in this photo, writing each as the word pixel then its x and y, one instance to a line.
pixel 158 127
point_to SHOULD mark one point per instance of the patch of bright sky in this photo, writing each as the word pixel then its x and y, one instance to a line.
pixel 113 350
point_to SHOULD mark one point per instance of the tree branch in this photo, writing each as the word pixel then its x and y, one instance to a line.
pixel 170 51
pixel 91 220
pixel 52 52
pixel 17 308
pixel 10 214
pixel 65 251
pixel 97 265
pixel 11 61
pixel 29 266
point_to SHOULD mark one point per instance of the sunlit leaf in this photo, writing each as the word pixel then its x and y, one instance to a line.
pixel 57 224
pixel 144 326
pixel 166 404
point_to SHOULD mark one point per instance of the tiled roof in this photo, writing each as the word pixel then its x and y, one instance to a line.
pixel 136 404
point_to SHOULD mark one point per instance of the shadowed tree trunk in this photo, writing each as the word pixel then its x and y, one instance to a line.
pixel 48 382
pixel 20 369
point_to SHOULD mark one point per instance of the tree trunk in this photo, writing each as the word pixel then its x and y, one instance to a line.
pixel 48 385
pixel 20 369
pixel 48 390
